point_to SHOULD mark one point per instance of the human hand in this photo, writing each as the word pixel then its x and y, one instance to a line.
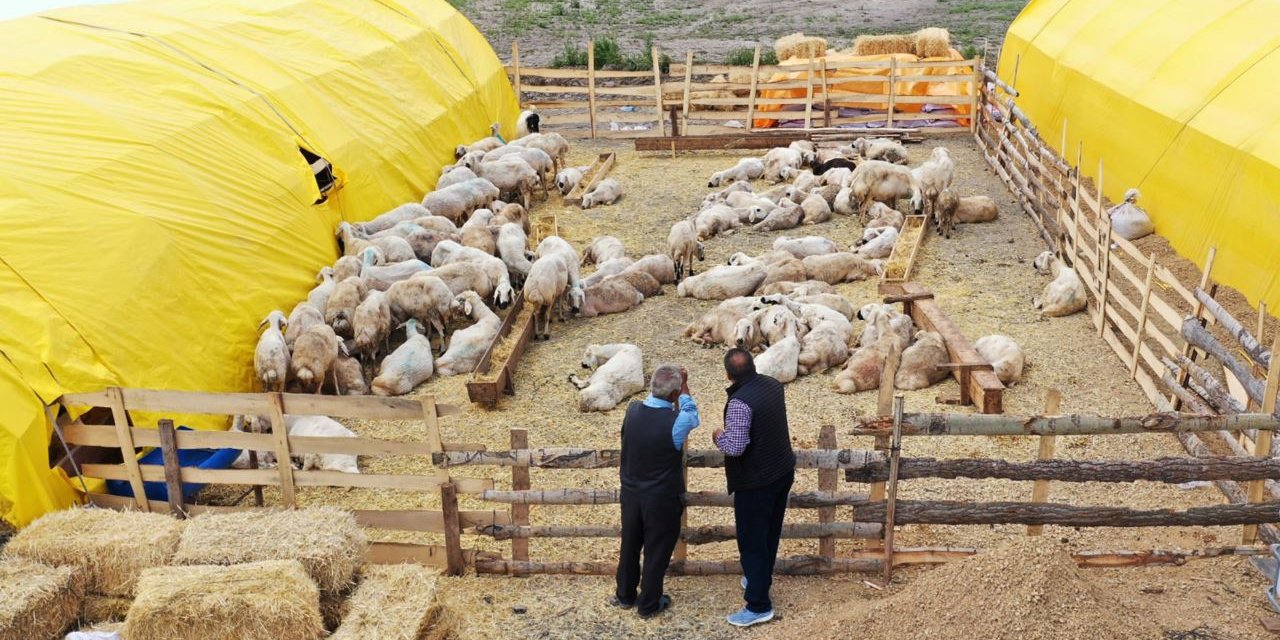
pixel 715 435
pixel 684 382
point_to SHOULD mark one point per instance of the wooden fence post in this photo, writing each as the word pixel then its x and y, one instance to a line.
pixel 891 506
pixel 519 482
pixel 827 481
pixel 455 564
pixel 884 407
pixel 1262 446
pixel 688 86
pixel 755 82
pixel 808 95
pixel 1142 317
pixel 515 68
pixel 591 86
pixel 1197 310
pixel 431 419
pixel 973 99
pixel 284 461
pixel 826 96
pixel 893 91
pixel 681 551
pixel 657 89
pixel 1040 490
pixel 125 437
pixel 172 469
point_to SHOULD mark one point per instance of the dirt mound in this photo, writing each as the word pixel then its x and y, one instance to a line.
pixel 1030 589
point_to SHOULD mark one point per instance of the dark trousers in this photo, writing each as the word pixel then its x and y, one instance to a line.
pixel 757 515
pixel 650 524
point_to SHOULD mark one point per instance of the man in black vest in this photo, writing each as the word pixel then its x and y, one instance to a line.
pixel 652 470
pixel 760 467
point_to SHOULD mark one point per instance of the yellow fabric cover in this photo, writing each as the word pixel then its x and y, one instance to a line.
pixel 1177 98
pixel 154 202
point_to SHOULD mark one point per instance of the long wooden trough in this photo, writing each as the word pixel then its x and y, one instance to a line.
pixel 491 380
pixel 902 261
pixel 599 168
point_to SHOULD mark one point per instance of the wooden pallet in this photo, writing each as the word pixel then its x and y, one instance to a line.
pixel 902 261
pixel 485 389
pixel 595 173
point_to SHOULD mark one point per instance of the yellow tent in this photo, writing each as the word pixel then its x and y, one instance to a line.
pixel 155 200
pixel 1177 98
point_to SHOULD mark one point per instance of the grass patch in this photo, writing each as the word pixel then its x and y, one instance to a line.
pixel 744 57
pixel 610 55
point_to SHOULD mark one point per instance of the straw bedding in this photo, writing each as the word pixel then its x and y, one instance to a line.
pixel 798 45
pixel 272 600
pixel 394 602
pixel 327 541
pixel 98 608
pixel 37 601
pixel 110 548
pixel 882 44
pixel 932 42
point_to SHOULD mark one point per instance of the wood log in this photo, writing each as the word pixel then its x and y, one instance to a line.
pixel 793 566
pixel 1247 341
pixel 582 458
pixel 1211 389
pixel 1167 470
pixel 993 78
pixel 955 424
pixel 1198 336
pixel 957 512
pixel 798 500
pixel 1189 399
pixel 691 535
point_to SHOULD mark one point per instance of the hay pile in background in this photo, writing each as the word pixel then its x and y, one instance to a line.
pixel 394 602
pixel 878 45
pixel 37 601
pixel 327 541
pixel 932 42
pixel 98 609
pixel 109 548
pixel 272 600
pixel 798 45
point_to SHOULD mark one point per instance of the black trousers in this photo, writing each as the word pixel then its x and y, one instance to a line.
pixel 757 515
pixel 650 524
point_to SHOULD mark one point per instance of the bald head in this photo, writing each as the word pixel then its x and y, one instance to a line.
pixel 739 364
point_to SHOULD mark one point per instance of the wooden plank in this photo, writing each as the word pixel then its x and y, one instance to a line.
pixel 884 407
pixel 124 439
pixel 155 473
pixel 1142 317
pixel 893 93
pixel 429 411
pixel 172 469
pixel 1040 491
pixel 591 85
pixel 106 436
pixel 902 259
pixel 1197 309
pixel 454 563
pixel 755 93
pixel 688 88
pixel 520 482
pixel 426 521
pixel 985 389
pixel 657 90
pixel 600 167
pixel 826 97
pixel 808 95
pixel 1257 488
pixel 959 424
pixel 399 482
pixel 828 479
pixel 284 459
pixel 891 499
pixel 194 402
pixel 515 69
pixel 402 552
pixel 797 565
pixel 577 73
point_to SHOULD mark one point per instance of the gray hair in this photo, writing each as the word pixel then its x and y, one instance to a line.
pixel 666 380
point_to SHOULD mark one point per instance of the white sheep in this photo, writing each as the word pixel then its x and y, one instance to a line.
pixel 767 326
pixel 493 141
pixel 553 144
pixel 787 216
pixel 271 357
pixel 408 366
pixel 661 267
pixel 1128 220
pixel 537 159
pixel 322 427
pixel 476 233
pixel 933 176
pixel 843 203
pixel 804 288
pixel 883 149
pixel 371 325
pixel 779 158
pixel 556 244
pixel 816 210
pixel 437 223
pixel 603 248
pixel 1065 294
pixel 381 278
pixel 342 305
pixel 569 177
pixel 833 301
pixel 876 181
pixel 319 296
pixel 715 220
pixel 897 321
pixel 424 298
pixel 746 169
pixel 348 378
pixel 545 287
pixel 513 249
pixel 466 276
pixel 647 285
pixel 919 367
pixel 466 346
pixel 456 201
pixel 448 252
pixel 877 242
pixel 607 268
pixel 607 191
pixel 740 186
pixel 453 175
pixel 882 215
pixel 511 175
pixel 781 360
pixel 303 317
pixel 826 344
pixel 951 209
pixel 805 246
pixel 528 122
pixel 403 213
pixel 611 295
pixel 722 282
pixel 865 366
pixel 835 268
pixel 313 356
pixel 345 267
pixel 1005 356
pixel 683 247
pixel 619 373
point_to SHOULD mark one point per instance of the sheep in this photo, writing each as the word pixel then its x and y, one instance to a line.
pixel 788 270
pixel 781 360
pixel 826 344
pixel 607 191
pixel 843 202
pixel 345 267
pixel 394 248
pixel 314 354
pixel 553 144
pixel 721 283
pixel 715 220
pixel 661 267
pixel 787 216
pixel 898 322
pixel 717 325
pixel 767 325
pixel 746 199
pixel 271 356
pixel 453 175
pixel 646 284
pixel 303 317
pixel 765 259
pixel 402 213
pixel 882 149
pixel 342 305
pixel 466 346
pixel 437 223
pixel 683 247
pixel 882 215
pixel 1064 295
pixel 607 268
pixel 835 302
pixel 933 176
pixel 746 169
pixel 408 366
pixel 779 158
pixel 381 278
pixel 513 212
pixel 569 178
pixel 835 268
pixel 807 150
pixel 348 378
pixel 424 298
pixel 815 208
pixel 805 246
pixel 611 295
pixel 371 325
pixel 456 201
pixel 919 367
pixel 877 242
pixel 572 261
pixel 451 252
pixel 835 179
pixel 527 122
pixel 544 288
pixel 619 373
pixel 319 295
pixel 805 288
pixel 322 427
pixel 1127 219
pixel 603 248
pixel 466 276
pixel 740 186
pixel 865 366
pixel 876 181
pixel 1005 356
pixel 511 175
pixel 512 247
pixel 484 144
pixel 537 159
pixel 832 165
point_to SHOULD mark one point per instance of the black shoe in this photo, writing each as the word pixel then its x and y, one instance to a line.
pixel 615 601
pixel 664 603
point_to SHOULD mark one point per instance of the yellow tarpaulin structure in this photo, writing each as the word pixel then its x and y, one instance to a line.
pixel 1177 98
pixel 155 202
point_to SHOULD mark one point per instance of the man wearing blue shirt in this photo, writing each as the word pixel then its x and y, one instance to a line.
pixel 652 471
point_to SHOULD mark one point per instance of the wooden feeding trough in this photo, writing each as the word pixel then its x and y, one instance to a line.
pixel 494 374
pixel 595 173
pixel 979 385
pixel 902 261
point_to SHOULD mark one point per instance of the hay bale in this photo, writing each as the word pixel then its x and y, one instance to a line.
pixel 37 601
pixel 110 548
pixel 932 42
pixel 98 609
pixel 327 541
pixel 798 45
pixel 394 602
pixel 884 44
pixel 272 600
pixel 333 607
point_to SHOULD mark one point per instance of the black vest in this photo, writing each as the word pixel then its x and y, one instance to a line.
pixel 768 456
pixel 651 463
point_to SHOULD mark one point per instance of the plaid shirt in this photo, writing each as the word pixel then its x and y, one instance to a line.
pixel 737 428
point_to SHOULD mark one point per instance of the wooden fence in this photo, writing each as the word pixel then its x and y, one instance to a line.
pixel 591 101
pixel 1156 324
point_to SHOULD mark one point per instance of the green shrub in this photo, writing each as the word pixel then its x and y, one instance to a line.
pixel 745 56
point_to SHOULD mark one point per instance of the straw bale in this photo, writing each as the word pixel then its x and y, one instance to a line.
pixel 111 548
pixel 933 42
pixel 877 45
pixel 327 541
pixel 394 602
pixel 333 607
pixel 798 45
pixel 100 608
pixel 37 601
pixel 272 600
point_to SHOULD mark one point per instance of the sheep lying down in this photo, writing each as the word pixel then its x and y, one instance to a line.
pixel 314 426
pixel 619 373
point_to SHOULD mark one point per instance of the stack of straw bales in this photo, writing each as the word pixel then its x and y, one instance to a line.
pixel 394 602
pixel 37 601
pixel 271 600
pixel 798 45
pixel 99 608
pixel 931 42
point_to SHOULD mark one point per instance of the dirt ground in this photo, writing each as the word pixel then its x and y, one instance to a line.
pixel 982 277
